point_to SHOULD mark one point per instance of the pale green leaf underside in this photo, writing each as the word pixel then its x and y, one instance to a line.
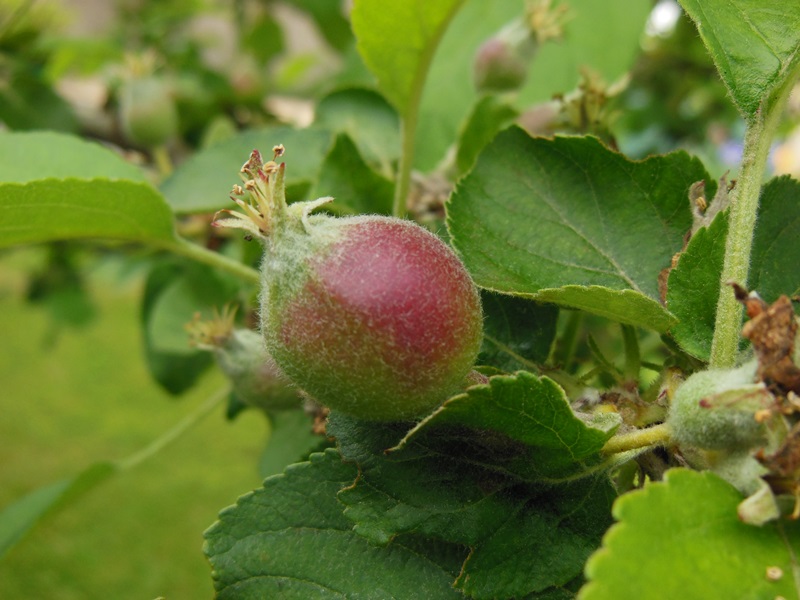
pixel 21 516
pixel 29 156
pixel 754 43
pixel 624 306
pixel 61 209
pixel 397 39
pixel 568 221
pixel 682 539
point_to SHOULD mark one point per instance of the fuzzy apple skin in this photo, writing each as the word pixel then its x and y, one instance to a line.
pixel 372 316
pixel 715 410
pixel 256 378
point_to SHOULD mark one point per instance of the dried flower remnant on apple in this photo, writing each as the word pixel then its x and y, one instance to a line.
pixel 370 315
pixel 745 422
pixel 772 330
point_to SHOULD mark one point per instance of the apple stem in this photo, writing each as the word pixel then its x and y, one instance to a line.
pixel 657 435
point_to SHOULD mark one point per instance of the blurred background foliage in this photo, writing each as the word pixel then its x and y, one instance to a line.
pixel 157 82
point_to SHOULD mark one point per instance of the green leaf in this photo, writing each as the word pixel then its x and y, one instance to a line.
pixel 27 98
pixel 59 285
pixel 514 430
pixel 83 56
pixel 609 51
pixel 755 45
pixel 174 291
pixel 682 538
pixel 20 517
pixel 44 154
pixel 776 253
pixel 488 116
pixel 367 118
pixel 459 501
pixel 290 539
pixel 331 20
pixel 449 557
pixel 560 593
pixel 450 94
pixel 552 443
pixel 441 487
pixel 62 209
pixel 544 546
pixel 693 288
pixel 354 186
pixel 291 440
pixel 203 183
pixel 262 38
pixel 516 331
pixel 397 41
pixel 629 307
pixel 568 221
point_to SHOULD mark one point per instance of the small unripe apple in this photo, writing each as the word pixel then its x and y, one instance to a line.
pixel 503 61
pixel 241 355
pixel 498 67
pixel 370 315
pixel 716 409
pixel 147 112
pixel 257 379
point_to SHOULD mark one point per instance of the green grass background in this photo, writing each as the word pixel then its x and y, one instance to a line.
pixel 72 396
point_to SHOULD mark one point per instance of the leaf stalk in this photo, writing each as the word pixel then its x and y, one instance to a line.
pixel 181 427
pixel 200 254
pixel 657 435
pixel 761 127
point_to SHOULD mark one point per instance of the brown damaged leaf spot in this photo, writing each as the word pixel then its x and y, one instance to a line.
pixel 697 197
pixel 703 213
pixel 772 330
pixel 663 276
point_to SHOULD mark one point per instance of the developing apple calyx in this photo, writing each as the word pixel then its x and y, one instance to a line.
pixel 262 198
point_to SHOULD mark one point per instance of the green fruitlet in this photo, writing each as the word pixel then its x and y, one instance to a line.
pixel 241 355
pixel 503 61
pixel 373 316
pixel 716 410
pixel 147 112
pixel 498 67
